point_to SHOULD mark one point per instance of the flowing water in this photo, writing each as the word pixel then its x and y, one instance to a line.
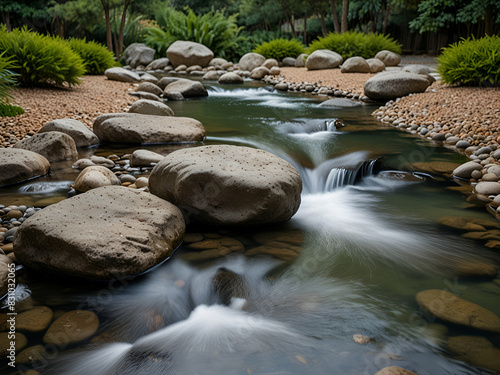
pixel 365 240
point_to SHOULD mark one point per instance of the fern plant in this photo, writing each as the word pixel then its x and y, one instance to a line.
pixel 280 48
pixel 7 82
pixel 96 57
pixel 353 43
pixel 41 59
pixel 214 29
pixel 471 62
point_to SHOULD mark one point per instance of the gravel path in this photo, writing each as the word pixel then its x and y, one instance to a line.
pixel 95 96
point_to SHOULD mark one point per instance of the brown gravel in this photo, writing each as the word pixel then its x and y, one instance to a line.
pixel 471 113
pixel 95 96
pixel 333 78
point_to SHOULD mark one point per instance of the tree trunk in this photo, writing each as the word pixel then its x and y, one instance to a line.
pixel 323 24
pixel 386 19
pixel 6 20
pixel 345 12
pixel 335 16
pixel 109 39
pixel 489 26
pixel 122 28
pixel 288 18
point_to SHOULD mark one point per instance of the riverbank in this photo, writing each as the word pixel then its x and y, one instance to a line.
pixel 95 96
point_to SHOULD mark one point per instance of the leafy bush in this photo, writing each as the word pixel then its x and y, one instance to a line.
pixel 471 62
pixel 7 82
pixel 8 110
pixel 96 57
pixel 352 43
pixel 41 59
pixel 280 48
pixel 213 29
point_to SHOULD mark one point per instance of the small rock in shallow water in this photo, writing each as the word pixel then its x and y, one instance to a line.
pixel 35 320
pixel 72 328
pixel 394 370
pixel 361 339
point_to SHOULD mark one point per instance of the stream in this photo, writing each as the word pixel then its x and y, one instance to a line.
pixel 365 240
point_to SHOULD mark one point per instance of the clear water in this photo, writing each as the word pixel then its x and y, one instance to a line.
pixel 370 244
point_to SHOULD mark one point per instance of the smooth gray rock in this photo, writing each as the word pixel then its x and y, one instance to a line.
pixel 487 188
pixel 149 78
pixel 462 144
pixel 18 165
pixel 81 134
pixel 187 88
pixel 376 65
pixel 218 62
pixel 145 95
pixel 151 107
pixel 138 54
pixel 340 103
pixel 230 78
pixel 122 75
pixel 392 85
pixel 212 76
pixel 323 59
pixel 389 58
pixel 137 129
pixel 165 81
pixel 465 170
pixel 158 64
pixel 153 88
pixel 288 61
pixel 144 158
pixel 189 53
pixel 228 185
pixel 417 69
pixel 269 63
pixel 283 86
pixel 174 96
pixel 250 61
pixel 300 61
pixel 355 64
pixel 94 177
pixel 259 73
pixel 109 232
pixel 55 146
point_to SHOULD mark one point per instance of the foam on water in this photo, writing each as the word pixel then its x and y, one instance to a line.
pixel 46 187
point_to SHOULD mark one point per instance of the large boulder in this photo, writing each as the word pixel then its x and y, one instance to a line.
pixel 392 85
pixel 137 128
pixel 81 134
pixel 259 73
pixel 151 107
pixel 376 65
pixel 450 308
pixel 250 61
pixel 355 64
pixel 150 87
pixel 94 177
pixel 300 61
pixel 230 78
pixel 218 62
pixel 389 58
pixel 144 158
pixel 189 53
pixel 323 59
pixel 18 165
pixel 138 54
pixel 55 146
pixel 122 75
pixel 105 233
pixel 269 63
pixel 288 61
pixel 165 81
pixel 187 88
pixel 228 185
pixel 158 64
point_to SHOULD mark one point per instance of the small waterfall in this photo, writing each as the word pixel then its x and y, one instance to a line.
pixel 310 126
pixel 46 187
pixel 240 93
pixel 339 177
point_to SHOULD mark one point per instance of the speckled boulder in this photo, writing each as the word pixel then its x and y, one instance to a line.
pixel 18 165
pixel 228 185
pixel 55 146
pixel 137 128
pixel 150 107
pixel 392 85
pixel 189 54
pixel 122 75
pixel 161 64
pixel 323 59
pixel 150 87
pixel 250 61
pixel 450 308
pixel 138 54
pixel 376 65
pixel 94 177
pixel 355 64
pixel 81 134
pixel 389 58
pixel 105 233
pixel 187 88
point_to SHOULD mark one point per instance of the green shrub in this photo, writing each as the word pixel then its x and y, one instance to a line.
pixel 280 48
pixel 96 57
pixel 214 29
pixel 7 79
pixel 352 43
pixel 471 62
pixel 41 59
pixel 8 110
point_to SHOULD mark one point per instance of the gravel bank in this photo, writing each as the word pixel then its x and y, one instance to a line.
pixel 94 97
